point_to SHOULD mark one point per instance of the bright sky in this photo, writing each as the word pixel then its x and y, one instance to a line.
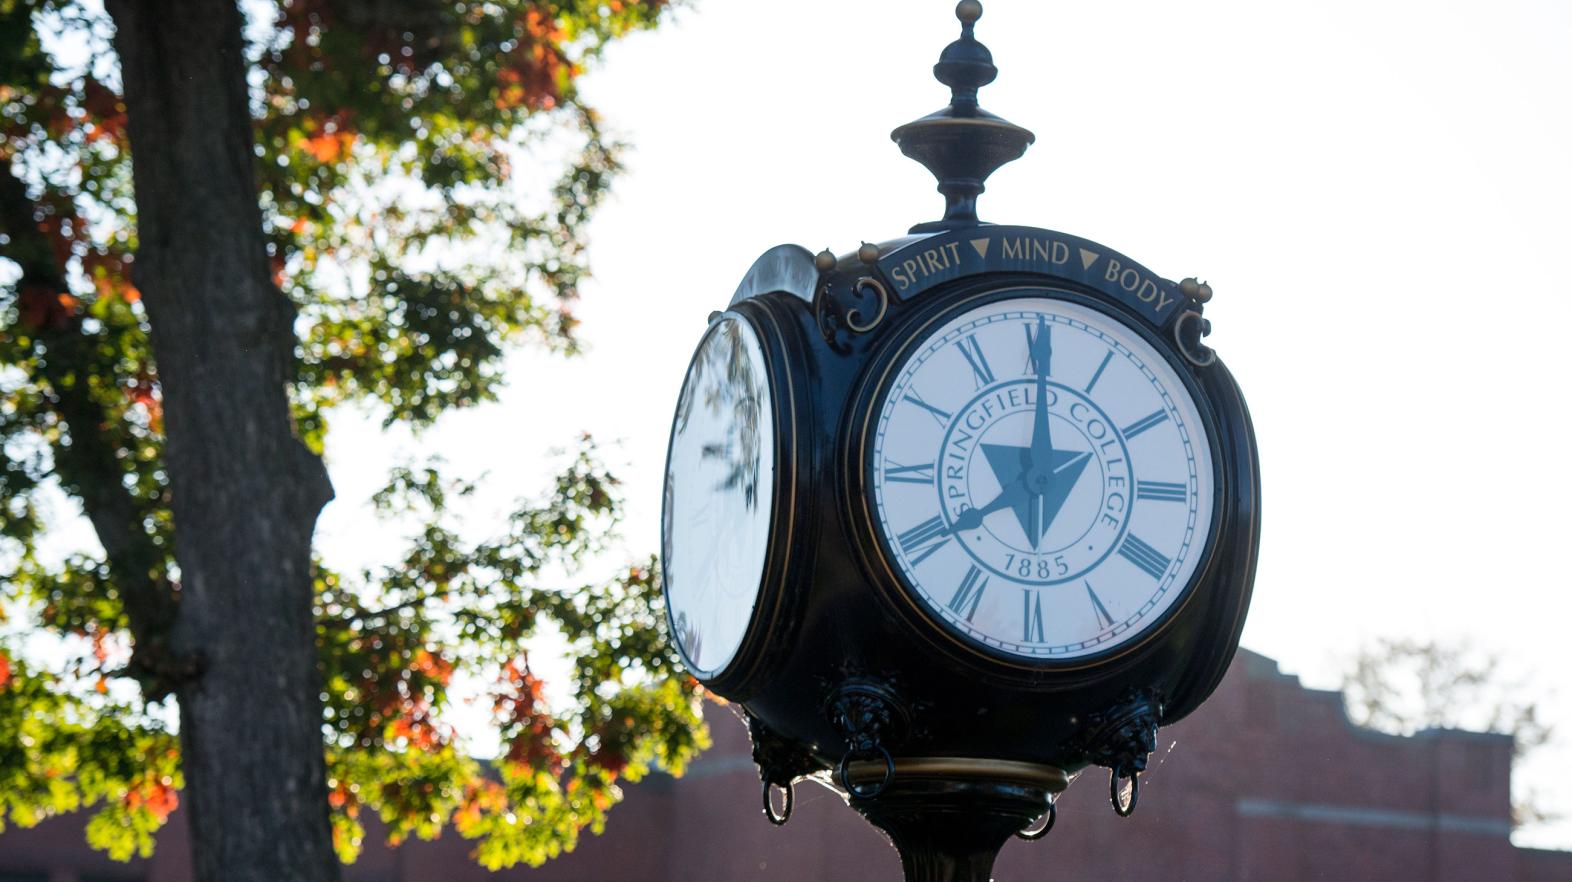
pixel 1379 192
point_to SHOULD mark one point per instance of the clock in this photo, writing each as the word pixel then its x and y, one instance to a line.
pixel 727 516
pixel 976 504
pixel 953 516
pixel 1041 478
pixel 720 488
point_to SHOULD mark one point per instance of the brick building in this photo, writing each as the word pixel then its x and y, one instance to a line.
pixel 1268 782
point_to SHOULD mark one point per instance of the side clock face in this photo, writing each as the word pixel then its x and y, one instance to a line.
pixel 1042 478
pixel 720 487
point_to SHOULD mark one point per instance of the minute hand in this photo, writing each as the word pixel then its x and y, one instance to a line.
pixel 1042 440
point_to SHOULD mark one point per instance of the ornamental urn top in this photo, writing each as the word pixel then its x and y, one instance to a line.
pixel 962 144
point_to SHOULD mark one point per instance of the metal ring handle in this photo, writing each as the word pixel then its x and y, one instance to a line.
pixel 769 806
pixel 1206 357
pixel 1034 835
pixel 854 317
pixel 1121 808
pixel 843 772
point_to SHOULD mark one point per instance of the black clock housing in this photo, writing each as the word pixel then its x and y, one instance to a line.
pixel 835 609
pixel 843 675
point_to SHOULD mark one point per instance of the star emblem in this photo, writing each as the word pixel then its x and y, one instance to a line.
pixel 1036 511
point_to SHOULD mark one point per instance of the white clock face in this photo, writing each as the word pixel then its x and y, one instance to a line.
pixel 1042 479
pixel 720 487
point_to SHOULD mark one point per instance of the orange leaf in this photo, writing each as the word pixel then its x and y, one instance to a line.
pixel 323 147
pixel 100 645
pixel 162 801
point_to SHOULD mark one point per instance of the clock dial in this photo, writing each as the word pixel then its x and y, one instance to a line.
pixel 1042 478
pixel 720 489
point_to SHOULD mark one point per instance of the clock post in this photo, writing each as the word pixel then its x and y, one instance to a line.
pixel 955 516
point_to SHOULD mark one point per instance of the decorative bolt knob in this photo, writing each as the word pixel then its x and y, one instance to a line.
pixel 824 261
pixel 968 11
pixel 1196 290
pixel 868 253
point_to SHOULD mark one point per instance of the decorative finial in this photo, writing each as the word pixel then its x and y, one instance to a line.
pixel 962 144
pixel 1196 290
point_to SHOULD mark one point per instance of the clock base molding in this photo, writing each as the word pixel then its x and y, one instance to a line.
pixel 1050 778
pixel 948 818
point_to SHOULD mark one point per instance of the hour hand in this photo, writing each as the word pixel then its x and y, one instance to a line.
pixel 1013 494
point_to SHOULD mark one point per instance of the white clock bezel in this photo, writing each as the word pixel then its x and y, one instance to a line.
pixel 733 675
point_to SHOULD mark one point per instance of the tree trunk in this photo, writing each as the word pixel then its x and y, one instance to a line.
pixel 245 492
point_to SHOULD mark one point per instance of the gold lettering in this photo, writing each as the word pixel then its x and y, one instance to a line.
pixel 1014 249
pixel 1151 293
pixel 902 280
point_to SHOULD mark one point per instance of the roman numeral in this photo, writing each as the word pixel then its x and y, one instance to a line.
pixel 1097 604
pixel 942 417
pixel 1160 491
pixel 1032 334
pixel 972 350
pixel 1098 374
pixel 1144 423
pixel 905 474
pixel 916 540
pixel 1032 630
pixel 969 595
pixel 1146 558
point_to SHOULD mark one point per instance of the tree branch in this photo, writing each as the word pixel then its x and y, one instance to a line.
pixel 88 467
pixel 346 619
